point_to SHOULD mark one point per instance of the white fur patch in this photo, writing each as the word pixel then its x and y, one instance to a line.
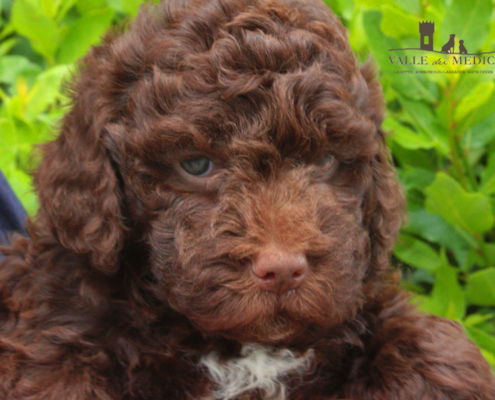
pixel 258 368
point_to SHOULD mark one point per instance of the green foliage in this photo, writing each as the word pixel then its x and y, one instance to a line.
pixel 39 42
pixel 471 212
pixel 442 140
pixel 442 129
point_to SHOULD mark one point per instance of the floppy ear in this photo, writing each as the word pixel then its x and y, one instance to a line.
pixel 384 206
pixel 78 190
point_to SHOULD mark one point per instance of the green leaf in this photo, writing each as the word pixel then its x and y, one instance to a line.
pixel 489 250
pixel 417 253
pixel 16 133
pixel 480 289
pixel 447 297
pixel 14 138
pixel 481 338
pixel 422 117
pixel 84 33
pixel 482 133
pixel 346 8
pixel 473 259
pixel 420 276
pixel 469 21
pixel 50 7
pixel 6 45
pixel 488 175
pixel 406 137
pixel 42 32
pixel 416 158
pixel 6 134
pixel 411 6
pixel 11 67
pixel 6 31
pixel 86 6
pixel 131 7
pixel 488 172
pixel 489 186
pixel 21 184
pixel 376 4
pixel 489 357
pixel 436 230
pixel 56 9
pixel 397 23
pixel 470 211
pixel 65 6
pixel 414 200
pixel 478 96
pixel 420 300
pixel 46 90
pixel 416 178
pixel 476 319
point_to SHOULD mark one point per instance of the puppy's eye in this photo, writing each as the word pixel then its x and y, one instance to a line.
pixel 200 166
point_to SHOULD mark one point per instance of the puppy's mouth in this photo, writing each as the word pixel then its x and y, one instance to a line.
pixel 251 314
pixel 274 300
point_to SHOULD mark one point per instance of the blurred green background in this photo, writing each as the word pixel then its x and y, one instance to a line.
pixel 442 129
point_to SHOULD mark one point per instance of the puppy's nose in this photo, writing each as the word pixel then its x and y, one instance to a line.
pixel 279 271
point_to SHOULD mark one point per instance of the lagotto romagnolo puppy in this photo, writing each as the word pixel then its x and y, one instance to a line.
pixel 216 219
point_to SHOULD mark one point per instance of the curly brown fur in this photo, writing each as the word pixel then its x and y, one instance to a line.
pixel 133 272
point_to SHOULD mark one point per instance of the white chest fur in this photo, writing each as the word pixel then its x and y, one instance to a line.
pixel 258 368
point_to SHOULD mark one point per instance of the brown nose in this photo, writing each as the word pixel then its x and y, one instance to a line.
pixel 279 271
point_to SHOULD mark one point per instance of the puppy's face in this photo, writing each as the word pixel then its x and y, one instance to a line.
pixel 250 160
pixel 220 207
pixel 225 200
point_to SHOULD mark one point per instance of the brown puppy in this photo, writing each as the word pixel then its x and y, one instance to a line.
pixel 216 218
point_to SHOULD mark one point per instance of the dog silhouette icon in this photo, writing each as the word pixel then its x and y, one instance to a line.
pixel 449 46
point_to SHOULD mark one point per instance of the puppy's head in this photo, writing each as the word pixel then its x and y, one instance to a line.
pixel 243 143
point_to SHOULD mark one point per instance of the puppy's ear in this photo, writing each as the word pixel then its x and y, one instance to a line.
pixel 384 206
pixel 78 190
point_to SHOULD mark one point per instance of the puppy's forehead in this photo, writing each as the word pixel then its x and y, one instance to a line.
pixel 263 71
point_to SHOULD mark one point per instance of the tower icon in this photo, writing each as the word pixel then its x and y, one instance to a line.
pixel 426 29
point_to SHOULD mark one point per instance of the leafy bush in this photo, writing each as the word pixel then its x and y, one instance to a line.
pixel 442 136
